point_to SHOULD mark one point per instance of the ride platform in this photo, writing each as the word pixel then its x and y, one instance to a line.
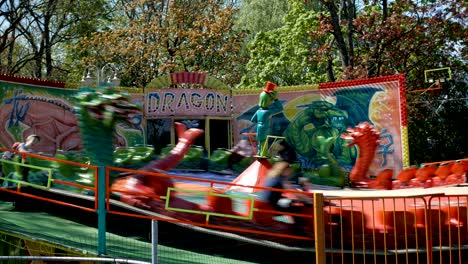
pixel 128 237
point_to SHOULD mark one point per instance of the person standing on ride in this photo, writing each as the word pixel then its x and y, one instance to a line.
pixel 31 141
pixel 268 106
pixel 278 178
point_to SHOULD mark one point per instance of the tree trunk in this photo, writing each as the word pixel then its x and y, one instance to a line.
pixel 350 31
pixel 335 22
pixel 11 51
pixel 330 75
pixel 47 47
pixel 384 10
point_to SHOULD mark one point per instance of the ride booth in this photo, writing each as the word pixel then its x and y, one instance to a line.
pixel 196 100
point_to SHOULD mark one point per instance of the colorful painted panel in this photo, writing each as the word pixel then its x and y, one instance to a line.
pixel 50 113
pixel 328 112
pixel 47 112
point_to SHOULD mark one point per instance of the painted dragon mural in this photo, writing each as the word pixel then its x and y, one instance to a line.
pixel 50 114
pixel 318 122
pixel 53 119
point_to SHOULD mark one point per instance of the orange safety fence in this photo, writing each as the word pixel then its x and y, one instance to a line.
pixel 93 188
pixel 421 226
pixel 405 228
pixel 448 233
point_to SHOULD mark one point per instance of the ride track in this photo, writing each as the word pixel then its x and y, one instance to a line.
pixel 118 208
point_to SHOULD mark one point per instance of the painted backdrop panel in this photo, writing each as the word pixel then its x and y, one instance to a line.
pixel 47 112
pixel 50 113
pixel 329 112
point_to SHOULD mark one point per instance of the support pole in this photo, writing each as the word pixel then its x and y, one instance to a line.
pixel 101 211
pixel 154 241
pixel 319 227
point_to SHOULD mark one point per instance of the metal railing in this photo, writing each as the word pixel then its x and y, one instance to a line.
pixel 421 226
pixel 71 259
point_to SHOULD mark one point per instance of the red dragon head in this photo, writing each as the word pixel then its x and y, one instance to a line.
pixel 363 134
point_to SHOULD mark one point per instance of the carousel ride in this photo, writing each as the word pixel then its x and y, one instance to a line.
pixel 235 204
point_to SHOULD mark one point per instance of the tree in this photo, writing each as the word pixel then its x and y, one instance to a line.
pixel 403 37
pixel 362 39
pixel 257 16
pixel 406 37
pixel 282 55
pixel 12 12
pixel 154 38
pixel 437 121
pixel 40 31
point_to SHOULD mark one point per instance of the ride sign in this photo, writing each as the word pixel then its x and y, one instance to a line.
pixel 199 102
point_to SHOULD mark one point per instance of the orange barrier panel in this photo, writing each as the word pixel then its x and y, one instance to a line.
pixel 449 233
pixel 19 191
pixel 49 200
pixel 430 227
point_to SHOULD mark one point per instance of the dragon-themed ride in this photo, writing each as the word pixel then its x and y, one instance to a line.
pixel 360 142
pixel 335 140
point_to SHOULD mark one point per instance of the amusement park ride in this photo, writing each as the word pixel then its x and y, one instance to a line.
pixel 153 189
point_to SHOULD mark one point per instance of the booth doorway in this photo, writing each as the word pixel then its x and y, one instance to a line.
pixel 218 132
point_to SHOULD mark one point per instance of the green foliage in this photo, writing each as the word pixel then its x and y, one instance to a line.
pixel 437 123
pixel 257 16
pixel 282 55
pixel 154 38
pixel 407 37
pixel 40 33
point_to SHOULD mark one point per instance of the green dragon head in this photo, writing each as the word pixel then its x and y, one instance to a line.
pixel 98 111
pixel 325 115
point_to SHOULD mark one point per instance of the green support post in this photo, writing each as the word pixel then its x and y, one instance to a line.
pixel 101 211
